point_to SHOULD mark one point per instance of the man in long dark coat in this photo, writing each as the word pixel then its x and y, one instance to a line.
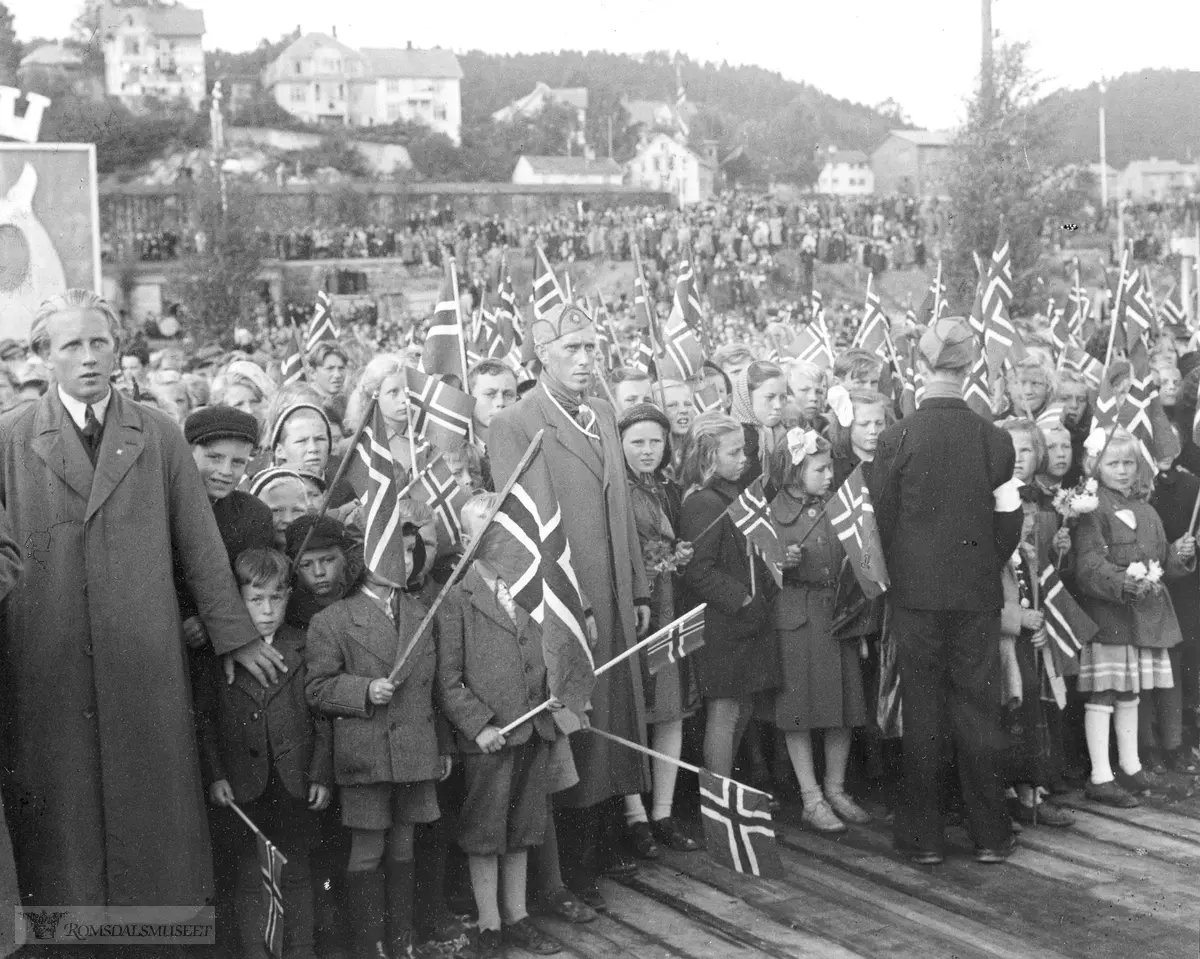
pixel 587 467
pixel 950 518
pixel 101 774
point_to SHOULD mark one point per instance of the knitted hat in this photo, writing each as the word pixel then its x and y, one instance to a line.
pixel 949 344
pixel 559 321
pixel 327 533
pixel 281 421
pixel 220 423
pixel 268 477
pixel 648 413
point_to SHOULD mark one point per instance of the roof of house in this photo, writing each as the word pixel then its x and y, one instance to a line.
pixel 1155 165
pixel 572 166
pixel 845 156
pixel 658 137
pixel 52 55
pixel 574 96
pixel 165 21
pixel 538 97
pixel 925 138
pixel 651 112
pixel 400 62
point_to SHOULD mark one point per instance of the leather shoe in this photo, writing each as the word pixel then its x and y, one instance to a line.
pixel 642 842
pixel 998 854
pixel 565 905
pixel 1047 814
pixel 620 866
pixel 820 818
pixel 847 809
pixel 1139 783
pixel 590 895
pixel 1110 794
pixel 669 833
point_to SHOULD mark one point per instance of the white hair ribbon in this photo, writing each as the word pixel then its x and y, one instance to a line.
pixel 801 443
pixel 841 404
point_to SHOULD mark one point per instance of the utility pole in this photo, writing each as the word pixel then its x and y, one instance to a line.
pixel 610 140
pixel 986 86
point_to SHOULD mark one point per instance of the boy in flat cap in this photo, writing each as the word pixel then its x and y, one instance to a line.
pixel 950 517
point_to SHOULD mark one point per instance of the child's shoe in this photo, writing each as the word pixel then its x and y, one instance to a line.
pixel 847 809
pixel 1110 794
pixel 820 818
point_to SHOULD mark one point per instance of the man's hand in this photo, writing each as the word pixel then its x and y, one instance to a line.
pixel 1062 540
pixel 1185 546
pixel 220 793
pixel 792 556
pixel 643 619
pixel 194 633
pixel 1032 619
pixel 593 632
pixel 490 739
pixel 263 661
pixel 318 796
pixel 379 693
pixel 447 767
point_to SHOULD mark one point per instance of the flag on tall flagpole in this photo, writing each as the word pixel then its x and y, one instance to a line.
pixel 440 413
pixel 321 327
pixel 680 102
pixel 738 828
pixel 874 334
pixel 547 294
pixel 853 522
pixel 445 345
pixel 372 474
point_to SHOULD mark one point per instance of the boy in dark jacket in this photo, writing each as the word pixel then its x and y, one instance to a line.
pixel 262 747
pixel 491 672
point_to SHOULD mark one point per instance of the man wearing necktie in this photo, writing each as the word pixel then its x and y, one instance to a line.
pixel 583 452
pixel 102 772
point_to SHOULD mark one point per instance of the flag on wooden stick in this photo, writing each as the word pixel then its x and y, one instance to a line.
pixel 440 413
pixel 738 827
pixel 373 476
pixel 1066 623
pixel 853 521
pixel 751 515
pixel 685 636
pixel 438 489
pixel 321 327
pixel 874 334
pixel 291 367
pixel 445 344
pixel 271 862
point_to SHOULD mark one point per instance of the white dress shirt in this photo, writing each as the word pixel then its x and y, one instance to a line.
pixel 78 410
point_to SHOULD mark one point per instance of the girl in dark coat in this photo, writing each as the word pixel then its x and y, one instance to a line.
pixel 671 694
pixel 821 679
pixel 740 656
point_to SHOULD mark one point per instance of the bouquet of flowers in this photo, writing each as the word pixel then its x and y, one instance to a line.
pixel 661 556
pixel 1077 500
pixel 1151 572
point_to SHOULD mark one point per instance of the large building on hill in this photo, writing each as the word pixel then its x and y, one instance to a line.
pixel 542 94
pixel 663 163
pixel 845 173
pixel 320 80
pixel 913 162
pixel 1146 181
pixel 153 52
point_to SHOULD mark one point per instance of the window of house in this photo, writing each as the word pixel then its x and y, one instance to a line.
pixel 439 111
pixel 132 46
pixel 298 93
pixel 299 67
pixel 317 89
pixel 393 87
pixel 394 112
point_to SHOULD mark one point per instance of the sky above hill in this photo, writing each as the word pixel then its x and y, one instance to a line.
pixel 923 54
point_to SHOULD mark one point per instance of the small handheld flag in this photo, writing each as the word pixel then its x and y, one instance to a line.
pixel 738 827
pixel 686 635
pixel 271 861
pixel 853 520
pixel 1068 625
pixel 321 328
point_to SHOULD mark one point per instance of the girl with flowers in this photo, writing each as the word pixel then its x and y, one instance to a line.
pixel 822 686
pixel 1123 554
pixel 671 694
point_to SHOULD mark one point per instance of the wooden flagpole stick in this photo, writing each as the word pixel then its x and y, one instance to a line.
pixel 254 829
pixel 1195 515
pixel 654 754
pixel 937 293
pixel 462 341
pixel 601 670
pixel 468 554
pixel 1112 329
pixel 343 466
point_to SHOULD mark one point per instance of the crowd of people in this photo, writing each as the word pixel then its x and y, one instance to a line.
pixel 199 498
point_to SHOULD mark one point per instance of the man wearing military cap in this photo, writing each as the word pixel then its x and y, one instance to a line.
pixel 950 517
pixel 583 450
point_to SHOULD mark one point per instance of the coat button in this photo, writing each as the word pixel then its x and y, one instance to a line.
pixel 89 713
pixel 87 650
pixel 393 726
pixel 812 512
pixel 254 715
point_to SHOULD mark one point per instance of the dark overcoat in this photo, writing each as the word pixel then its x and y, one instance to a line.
pixel 102 777
pixel 607 559
pixel 247 729
pixel 10 572
pixel 350 644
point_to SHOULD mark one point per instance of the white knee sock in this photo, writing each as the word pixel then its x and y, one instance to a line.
pixel 1125 723
pixel 667 739
pixel 635 809
pixel 1096 719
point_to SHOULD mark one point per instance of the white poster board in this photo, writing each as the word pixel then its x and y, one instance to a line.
pixel 49 227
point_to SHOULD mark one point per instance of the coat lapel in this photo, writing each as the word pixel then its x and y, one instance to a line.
pixel 59 447
pixel 373 631
pixel 570 437
pixel 483 600
pixel 120 446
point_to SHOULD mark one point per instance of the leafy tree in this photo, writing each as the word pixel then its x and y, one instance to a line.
pixel 10 49
pixel 1000 166
pixel 335 152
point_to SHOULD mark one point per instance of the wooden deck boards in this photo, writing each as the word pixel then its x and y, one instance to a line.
pixel 1122 883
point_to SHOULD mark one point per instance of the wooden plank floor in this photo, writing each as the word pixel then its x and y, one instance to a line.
pixel 1120 884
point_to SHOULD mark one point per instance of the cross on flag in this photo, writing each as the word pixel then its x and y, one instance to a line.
pixel 751 515
pixel 372 473
pixel 874 334
pixel 1067 624
pixel 682 354
pixel 271 862
pixel 681 638
pixel 975 389
pixel 1135 314
pixel 853 520
pixel 1173 312
pixel 438 489
pixel 440 413
pixel 738 827
pixel 445 344
pixel 547 294
pixel 321 328
pixel 989 316
pixel 291 367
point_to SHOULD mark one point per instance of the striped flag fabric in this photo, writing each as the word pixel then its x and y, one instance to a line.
pixel 373 476
pixel 1142 413
pixel 1078 306
pixel 874 333
pixel 977 389
pixel 642 358
pixel 440 413
pixel 321 327
pixel 680 103
pixel 682 355
pixel 1060 326
pixel 528 547
pixel 445 342
pixel 1074 357
pixel 1068 625
pixel 738 827
pixel 271 862
pixel 1135 313
pixel 853 522
pixel 547 294
pixel 934 306
pixel 291 367
pixel 680 638
pixel 489 338
pixel 751 514
pixel 687 297
pixel 811 343
pixel 437 488
pixel 1172 312
pixel 989 314
pixel 707 398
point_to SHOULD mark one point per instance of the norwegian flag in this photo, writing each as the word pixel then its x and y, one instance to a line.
pixel 934 306
pixel 976 389
pixel 606 340
pixel 907 381
pixel 1082 362
pixel 372 474
pixel 682 354
pixel 738 827
pixel 1078 305
pixel 437 488
pixel 810 344
pixel 1135 314
pixel 1142 413
pixel 1172 311
pixel 547 294
pixel 1060 326
pixel 271 862
pixel 751 514
pixel 528 548
pixel 874 333
pixel 321 327
pixel 816 303
pixel 291 367
pixel 679 639
pixel 707 398
pixel 989 313
pixel 643 358
pixel 440 413
pixel 445 343
pixel 687 298
pixel 490 341
pixel 1067 624
pixel 853 521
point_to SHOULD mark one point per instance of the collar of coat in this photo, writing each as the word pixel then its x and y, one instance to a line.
pixel 480 595
pixel 290 643
pixel 58 444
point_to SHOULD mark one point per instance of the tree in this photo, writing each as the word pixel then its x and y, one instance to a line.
pixel 10 49
pixel 996 183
